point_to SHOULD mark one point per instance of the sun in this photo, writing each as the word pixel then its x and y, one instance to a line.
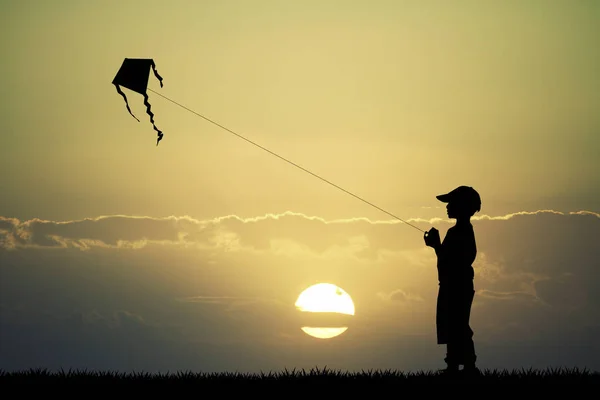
pixel 325 298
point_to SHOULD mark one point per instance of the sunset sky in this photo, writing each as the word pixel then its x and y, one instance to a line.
pixel 118 254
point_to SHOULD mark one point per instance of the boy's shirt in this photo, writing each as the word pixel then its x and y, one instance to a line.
pixel 457 254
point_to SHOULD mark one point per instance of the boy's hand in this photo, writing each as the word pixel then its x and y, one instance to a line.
pixel 432 238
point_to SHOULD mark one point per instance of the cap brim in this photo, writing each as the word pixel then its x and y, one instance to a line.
pixel 444 197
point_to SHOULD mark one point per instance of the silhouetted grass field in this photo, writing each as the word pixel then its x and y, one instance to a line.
pixel 301 378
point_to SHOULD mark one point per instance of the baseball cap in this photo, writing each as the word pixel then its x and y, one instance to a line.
pixel 463 195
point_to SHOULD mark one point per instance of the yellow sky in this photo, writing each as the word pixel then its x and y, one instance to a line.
pixel 396 101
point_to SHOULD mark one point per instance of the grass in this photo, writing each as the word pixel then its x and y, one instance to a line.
pixel 302 378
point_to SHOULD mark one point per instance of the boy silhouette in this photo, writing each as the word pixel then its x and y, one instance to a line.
pixel 455 256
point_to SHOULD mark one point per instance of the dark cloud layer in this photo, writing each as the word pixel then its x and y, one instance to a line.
pixel 177 293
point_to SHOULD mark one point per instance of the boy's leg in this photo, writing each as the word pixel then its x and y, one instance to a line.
pixel 470 358
pixel 469 346
pixel 451 357
pixel 469 367
pixel 463 348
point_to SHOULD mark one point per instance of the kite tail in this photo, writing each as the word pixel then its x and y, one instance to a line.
pixel 157 75
pixel 126 103
pixel 151 114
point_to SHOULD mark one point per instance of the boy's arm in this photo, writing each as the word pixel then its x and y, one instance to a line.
pixel 432 239
pixel 440 247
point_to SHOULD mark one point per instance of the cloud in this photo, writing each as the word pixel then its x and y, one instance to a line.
pixel 218 299
pixel 507 296
pixel 112 231
pixel 8 224
pixel 400 296
pixel 565 292
pixel 516 251
pixel 101 231
pixel 194 289
pixel 228 232
pixel 122 320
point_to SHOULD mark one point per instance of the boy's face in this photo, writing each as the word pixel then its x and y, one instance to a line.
pixel 454 210
pixel 450 210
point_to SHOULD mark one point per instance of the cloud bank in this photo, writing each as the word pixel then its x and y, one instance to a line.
pixel 172 293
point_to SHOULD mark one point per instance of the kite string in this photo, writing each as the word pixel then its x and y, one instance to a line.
pixel 284 159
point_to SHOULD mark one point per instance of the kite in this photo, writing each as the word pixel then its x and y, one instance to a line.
pixel 133 75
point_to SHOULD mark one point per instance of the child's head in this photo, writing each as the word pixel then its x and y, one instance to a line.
pixel 464 201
